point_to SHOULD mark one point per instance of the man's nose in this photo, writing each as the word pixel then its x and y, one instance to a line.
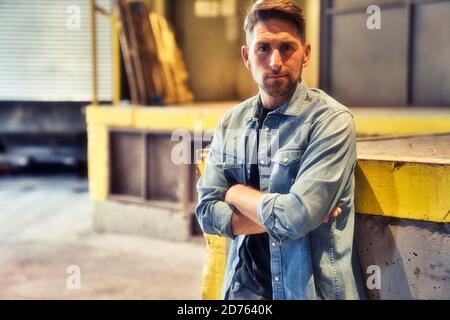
pixel 275 61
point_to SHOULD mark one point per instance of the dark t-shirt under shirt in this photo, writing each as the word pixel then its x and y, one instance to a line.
pixel 253 270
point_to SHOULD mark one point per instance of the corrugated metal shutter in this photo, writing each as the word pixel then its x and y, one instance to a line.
pixel 42 59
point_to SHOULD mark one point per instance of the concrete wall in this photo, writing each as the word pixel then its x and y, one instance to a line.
pixel 128 218
pixel 413 257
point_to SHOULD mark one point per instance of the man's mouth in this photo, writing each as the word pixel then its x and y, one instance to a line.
pixel 276 76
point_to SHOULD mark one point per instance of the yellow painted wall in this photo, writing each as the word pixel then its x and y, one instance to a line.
pixel 98 161
pixel 418 191
pixel 370 124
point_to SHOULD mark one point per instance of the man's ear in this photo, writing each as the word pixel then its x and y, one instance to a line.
pixel 244 53
pixel 307 55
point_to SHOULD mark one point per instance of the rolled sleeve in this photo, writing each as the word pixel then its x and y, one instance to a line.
pixel 265 213
pixel 212 212
pixel 222 219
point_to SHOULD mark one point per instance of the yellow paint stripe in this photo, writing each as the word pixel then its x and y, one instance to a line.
pixel 385 124
pixel 368 123
pixel 415 191
pixel 110 116
pixel 169 119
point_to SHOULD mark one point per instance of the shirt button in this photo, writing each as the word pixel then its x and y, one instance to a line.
pixel 262 162
pixel 266 129
pixel 285 160
pixel 274 244
pixel 277 279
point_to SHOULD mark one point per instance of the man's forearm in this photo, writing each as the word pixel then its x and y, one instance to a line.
pixel 240 224
pixel 245 199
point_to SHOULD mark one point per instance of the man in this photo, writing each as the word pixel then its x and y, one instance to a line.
pixel 278 165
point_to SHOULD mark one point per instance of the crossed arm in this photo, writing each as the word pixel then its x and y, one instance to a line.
pixel 245 220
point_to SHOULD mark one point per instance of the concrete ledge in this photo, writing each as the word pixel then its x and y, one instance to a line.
pixel 128 218
pixel 404 178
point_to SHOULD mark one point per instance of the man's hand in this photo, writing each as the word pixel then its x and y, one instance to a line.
pixel 333 214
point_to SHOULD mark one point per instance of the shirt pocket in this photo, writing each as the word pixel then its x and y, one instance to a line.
pixel 233 169
pixel 285 167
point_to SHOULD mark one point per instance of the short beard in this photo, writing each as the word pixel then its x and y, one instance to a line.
pixel 279 90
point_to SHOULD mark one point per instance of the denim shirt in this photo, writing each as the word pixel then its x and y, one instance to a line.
pixel 306 159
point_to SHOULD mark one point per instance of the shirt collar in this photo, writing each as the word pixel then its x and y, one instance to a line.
pixel 291 107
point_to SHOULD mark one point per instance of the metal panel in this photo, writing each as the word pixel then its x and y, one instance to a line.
pixel 404 63
pixel 165 181
pixel 41 59
pixel 344 4
pixel 431 69
pixel 126 156
pixel 368 67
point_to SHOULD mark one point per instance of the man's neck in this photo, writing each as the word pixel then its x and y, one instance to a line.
pixel 270 102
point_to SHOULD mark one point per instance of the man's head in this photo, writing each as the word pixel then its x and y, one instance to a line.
pixel 276 50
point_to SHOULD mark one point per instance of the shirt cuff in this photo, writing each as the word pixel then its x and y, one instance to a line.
pixel 222 219
pixel 264 212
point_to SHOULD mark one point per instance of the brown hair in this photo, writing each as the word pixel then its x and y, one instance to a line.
pixel 262 10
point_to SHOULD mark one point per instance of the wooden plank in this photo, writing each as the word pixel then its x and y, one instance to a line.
pixel 128 60
pixel 132 47
pixel 154 63
pixel 146 50
pixel 163 59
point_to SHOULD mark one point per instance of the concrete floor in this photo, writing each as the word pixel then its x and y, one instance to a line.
pixel 46 227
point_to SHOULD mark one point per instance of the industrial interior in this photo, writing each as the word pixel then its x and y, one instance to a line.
pixel 95 95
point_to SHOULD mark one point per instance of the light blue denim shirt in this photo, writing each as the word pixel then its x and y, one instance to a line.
pixel 306 160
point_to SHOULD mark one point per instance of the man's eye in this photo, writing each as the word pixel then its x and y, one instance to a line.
pixel 286 47
pixel 263 49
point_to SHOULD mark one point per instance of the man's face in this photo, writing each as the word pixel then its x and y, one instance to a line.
pixel 276 57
